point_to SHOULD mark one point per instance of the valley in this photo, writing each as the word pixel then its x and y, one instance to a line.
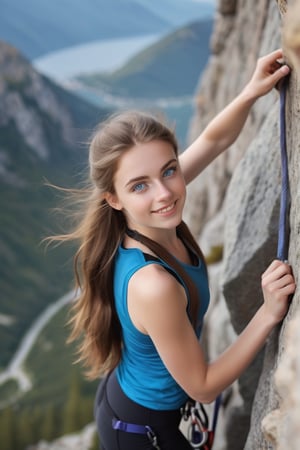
pixel 15 369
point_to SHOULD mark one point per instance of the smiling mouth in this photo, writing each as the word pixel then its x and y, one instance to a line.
pixel 166 209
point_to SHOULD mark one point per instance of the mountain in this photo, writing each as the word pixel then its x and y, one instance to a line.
pixel 37 27
pixel 168 68
pixel 41 131
pixel 178 12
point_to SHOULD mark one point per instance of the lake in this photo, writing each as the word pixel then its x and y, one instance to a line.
pixel 97 56
pixel 105 56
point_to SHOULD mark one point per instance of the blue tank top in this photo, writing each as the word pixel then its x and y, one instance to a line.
pixel 141 373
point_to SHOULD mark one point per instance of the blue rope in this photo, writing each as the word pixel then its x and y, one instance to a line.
pixel 283 229
pixel 218 403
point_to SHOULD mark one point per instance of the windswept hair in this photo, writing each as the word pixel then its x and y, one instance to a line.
pixel 99 232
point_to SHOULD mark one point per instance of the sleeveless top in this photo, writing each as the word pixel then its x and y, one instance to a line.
pixel 141 373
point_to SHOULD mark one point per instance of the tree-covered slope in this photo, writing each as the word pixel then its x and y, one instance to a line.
pixel 178 12
pixel 41 133
pixel 168 68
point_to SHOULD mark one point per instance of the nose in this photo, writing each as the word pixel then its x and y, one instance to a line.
pixel 162 192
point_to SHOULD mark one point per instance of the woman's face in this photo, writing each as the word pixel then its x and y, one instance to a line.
pixel 149 187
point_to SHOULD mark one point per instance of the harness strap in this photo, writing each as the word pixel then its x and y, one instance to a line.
pixel 129 427
pixel 135 428
pixel 283 229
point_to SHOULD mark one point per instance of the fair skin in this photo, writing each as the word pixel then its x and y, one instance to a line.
pixel 150 190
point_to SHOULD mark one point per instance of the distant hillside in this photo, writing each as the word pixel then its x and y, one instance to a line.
pixel 42 129
pixel 180 12
pixel 42 133
pixel 38 27
pixel 169 68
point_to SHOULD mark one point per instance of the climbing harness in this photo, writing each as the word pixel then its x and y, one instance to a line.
pixel 120 425
pixel 283 229
pixel 134 428
pixel 200 432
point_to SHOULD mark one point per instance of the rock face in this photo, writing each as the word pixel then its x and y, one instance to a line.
pixel 235 203
pixel 18 75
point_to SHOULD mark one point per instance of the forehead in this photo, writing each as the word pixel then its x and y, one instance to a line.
pixel 144 158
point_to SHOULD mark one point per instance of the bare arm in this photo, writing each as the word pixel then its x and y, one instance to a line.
pixel 162 315
pixel 224 129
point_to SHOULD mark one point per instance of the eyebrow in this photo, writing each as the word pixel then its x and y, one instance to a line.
pixel 144 177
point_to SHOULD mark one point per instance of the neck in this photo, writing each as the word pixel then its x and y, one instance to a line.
pixel 171 243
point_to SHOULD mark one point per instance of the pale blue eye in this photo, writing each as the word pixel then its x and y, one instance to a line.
pixel 169 172
pixel 139 187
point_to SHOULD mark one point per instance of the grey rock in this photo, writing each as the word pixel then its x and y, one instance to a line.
pixel 245 185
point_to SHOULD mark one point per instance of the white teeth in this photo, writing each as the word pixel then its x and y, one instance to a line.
pixel 168 208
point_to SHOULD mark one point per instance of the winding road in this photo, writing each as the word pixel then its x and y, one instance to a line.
pixel 15 368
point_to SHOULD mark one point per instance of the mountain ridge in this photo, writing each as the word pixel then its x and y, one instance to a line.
pixel 42 128
pixel 23 25
pixel 157 71
pixel 37 28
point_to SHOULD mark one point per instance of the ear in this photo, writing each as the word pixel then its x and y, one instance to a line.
pixel 112 200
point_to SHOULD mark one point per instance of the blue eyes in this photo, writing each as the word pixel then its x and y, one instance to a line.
pixel 169 171
pixel 140 187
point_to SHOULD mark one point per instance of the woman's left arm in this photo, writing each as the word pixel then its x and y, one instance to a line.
pixel 223 130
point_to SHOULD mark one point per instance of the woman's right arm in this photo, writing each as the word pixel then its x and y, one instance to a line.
pixel 224 129
pixel 161 313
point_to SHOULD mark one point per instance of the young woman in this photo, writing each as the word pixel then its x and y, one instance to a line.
pixel 143 280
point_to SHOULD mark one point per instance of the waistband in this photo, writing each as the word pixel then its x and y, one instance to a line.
pixel 130 411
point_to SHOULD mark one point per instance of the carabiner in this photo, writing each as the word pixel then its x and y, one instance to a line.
pixel 186 410
pixel 201 414
pixel 197 436
pixel 152 437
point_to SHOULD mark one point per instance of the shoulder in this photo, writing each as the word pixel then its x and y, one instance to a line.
pixel 154 293
pixel 154 280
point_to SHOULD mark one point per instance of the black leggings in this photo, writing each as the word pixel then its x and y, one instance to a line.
pixel 111 402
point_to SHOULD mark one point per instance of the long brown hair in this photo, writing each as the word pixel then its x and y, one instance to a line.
pixel 100 231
